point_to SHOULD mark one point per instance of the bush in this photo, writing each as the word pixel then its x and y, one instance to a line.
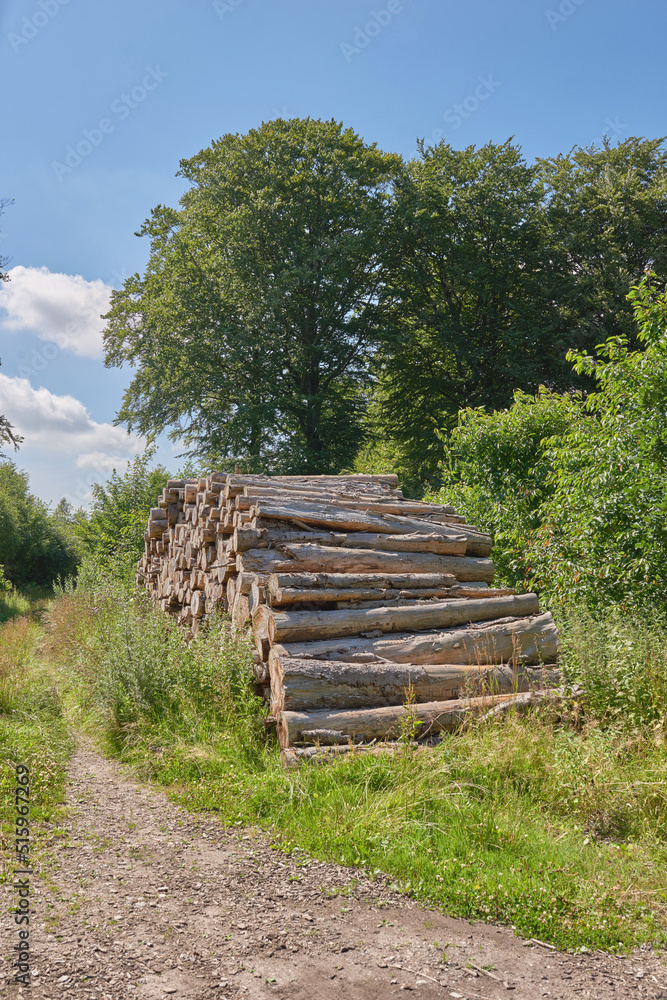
pixel 113 533
pixel 574 487
pixel 36 544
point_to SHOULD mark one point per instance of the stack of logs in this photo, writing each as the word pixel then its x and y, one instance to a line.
pixel 372 615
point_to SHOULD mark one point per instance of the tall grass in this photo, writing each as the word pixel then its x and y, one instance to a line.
pixel 32 728
pixel 135 672
pixel 620 661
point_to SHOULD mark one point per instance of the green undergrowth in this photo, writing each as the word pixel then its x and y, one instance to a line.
pixel 31 600
pixel 553 823
pixel 33 732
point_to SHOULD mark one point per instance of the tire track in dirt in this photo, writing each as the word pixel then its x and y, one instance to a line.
pixel 141 899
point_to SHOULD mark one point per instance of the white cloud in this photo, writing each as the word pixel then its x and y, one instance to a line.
pixel 102 462
pixel 63 308
pixel 61 424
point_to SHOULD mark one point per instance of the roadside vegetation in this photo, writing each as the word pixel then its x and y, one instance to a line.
pixel 555 823
pixel 33 732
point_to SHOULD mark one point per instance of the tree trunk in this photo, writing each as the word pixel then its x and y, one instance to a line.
pixel 338 518
pixel 306 557
pixel 389 722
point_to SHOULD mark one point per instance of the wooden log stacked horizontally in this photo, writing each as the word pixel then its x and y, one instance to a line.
pixel 372 615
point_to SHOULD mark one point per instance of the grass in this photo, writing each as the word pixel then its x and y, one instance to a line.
pixel 554 824
pixel 30 601
pixel 33 732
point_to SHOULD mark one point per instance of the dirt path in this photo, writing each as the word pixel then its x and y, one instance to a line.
pixel 145 900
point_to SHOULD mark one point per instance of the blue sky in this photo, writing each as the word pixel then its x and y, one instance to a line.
pixel 101 101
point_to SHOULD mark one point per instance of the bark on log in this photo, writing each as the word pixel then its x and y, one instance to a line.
pixel 352 581
pixel 383 723
pixel 305 685
pixel 348 519
pixel 262 537
pixel 386 478
pixel 285 598
pixel 304 626
pixel 531 640
pixel 307 557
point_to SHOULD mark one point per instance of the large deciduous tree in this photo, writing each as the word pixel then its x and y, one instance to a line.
pixel 469 288
pixel 606 224
pixel 252 327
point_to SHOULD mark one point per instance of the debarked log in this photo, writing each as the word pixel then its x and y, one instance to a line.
pixel 303 626
pixel 302 685
pixel 530 640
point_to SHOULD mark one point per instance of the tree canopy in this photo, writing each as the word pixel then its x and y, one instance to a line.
pixel 253 324
pixel 36 545
pixel 314 301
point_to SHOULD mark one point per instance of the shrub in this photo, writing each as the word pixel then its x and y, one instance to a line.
pixel 573 487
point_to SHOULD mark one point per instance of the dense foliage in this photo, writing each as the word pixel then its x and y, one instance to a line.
pixel 37 545
pixel 574 486
pixel 314 299
pixel 113 529
pixel 252 327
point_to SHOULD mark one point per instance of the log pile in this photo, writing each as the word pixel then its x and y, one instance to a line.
pixel 372 615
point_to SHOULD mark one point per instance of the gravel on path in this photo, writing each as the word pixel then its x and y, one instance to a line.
pixel 139 898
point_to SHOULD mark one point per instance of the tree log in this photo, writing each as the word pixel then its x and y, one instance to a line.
pixel 303 626
pixel 368 597
pixel 368 724
pixel 352 581
pixel 307 557
pixel 305 685
pixel 348 519
pixel 262 537
pixel 517 640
